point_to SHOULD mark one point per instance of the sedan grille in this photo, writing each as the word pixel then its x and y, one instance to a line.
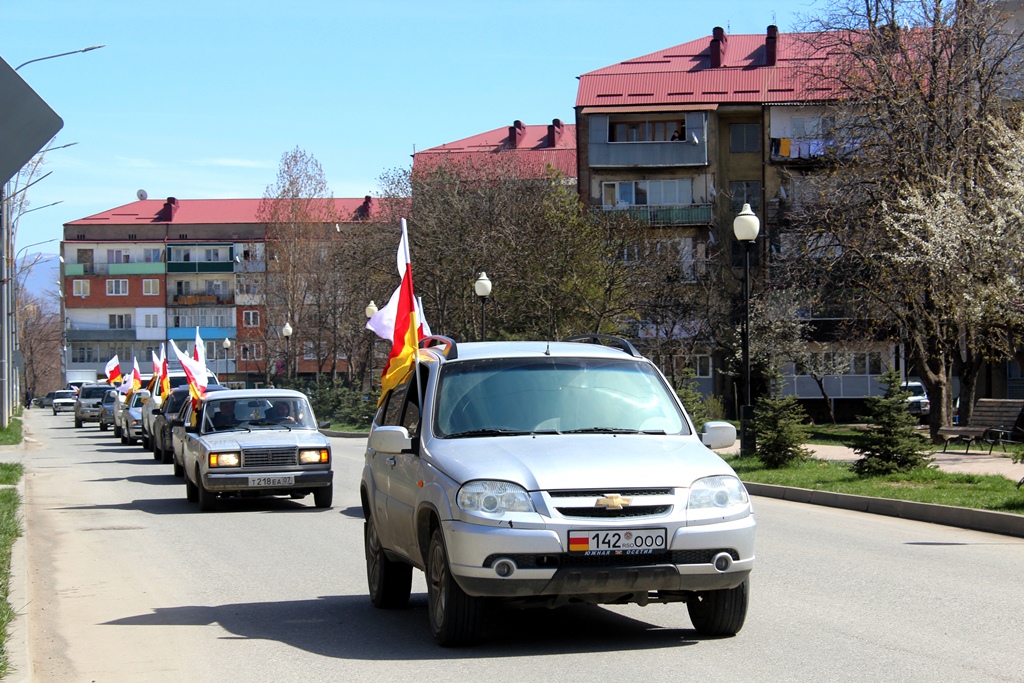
pixel 270 457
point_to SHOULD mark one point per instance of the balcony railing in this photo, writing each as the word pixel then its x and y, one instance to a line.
pixel 202 299
pixel 667 215
pixel 131 268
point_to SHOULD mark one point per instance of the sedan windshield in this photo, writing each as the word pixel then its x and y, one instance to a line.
pixel 272 412
pixel 550 395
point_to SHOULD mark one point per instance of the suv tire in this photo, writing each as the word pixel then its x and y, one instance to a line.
pixel 721 612
pixel 389 582
pixel 455 617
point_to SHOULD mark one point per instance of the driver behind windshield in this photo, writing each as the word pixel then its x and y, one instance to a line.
pixel 225 418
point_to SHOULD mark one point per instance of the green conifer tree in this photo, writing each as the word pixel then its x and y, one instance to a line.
pixel 892 444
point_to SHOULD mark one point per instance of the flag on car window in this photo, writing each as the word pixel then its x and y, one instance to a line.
pixel 195 373
pixel 153 387
pixel 113 370
pixel 165 379
pixel 135 381
pixel 401 321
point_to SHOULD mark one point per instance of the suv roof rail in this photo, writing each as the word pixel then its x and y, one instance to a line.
pixel 606 340
pixel 451 349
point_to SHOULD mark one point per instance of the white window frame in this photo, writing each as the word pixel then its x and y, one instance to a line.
pixel 80 288
pixel 117 287
pixel 250 318
pixel 151 287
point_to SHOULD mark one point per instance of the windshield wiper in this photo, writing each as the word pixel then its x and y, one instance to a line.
pixel 601 430
pixel 487 432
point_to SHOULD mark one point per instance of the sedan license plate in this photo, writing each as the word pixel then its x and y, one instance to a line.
pixel 271 481
pixel 621 540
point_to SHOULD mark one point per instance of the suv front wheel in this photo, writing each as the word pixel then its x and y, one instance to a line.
pixel 389 582
pixel 721 612
pixel 455 617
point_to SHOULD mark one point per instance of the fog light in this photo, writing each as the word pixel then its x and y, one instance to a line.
pixel 504 568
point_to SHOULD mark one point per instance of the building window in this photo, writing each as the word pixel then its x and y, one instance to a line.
pixel 117 288
pixel 153 255
pixel 248 284
pixel 675 192
pixel 120 321
pixel 152 320
pixel 118 256
pixel 250 318
pixel 700 363
pixel 80 287
pixel 744 138
pixel 213 254
pixel 181 254
pixel 745 192
pixel 83 353
pixel 251 351
pixel 150 286
pixel 646 131
pixel 217 288
pixel 182 287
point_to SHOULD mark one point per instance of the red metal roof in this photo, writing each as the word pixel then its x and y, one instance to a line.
pixel 532 151
pixel 202 212
pixel 683 75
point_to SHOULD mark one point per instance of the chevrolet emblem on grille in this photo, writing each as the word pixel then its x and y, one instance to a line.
pixel 612 501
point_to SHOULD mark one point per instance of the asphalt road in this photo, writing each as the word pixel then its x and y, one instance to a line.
pixel 129 582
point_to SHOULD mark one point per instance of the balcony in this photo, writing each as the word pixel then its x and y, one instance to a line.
pixel 85 333
pixel 202 299
pixel 139 268
pixel 208 333
pixel 200 266
pixel 648 154
pixel 669 215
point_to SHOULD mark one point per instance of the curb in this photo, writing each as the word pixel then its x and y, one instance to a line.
pixel 345 435
pixel 1003 523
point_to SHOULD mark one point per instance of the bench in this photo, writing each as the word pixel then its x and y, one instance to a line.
pixel 994 420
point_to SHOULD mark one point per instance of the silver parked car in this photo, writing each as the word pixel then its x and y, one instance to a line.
pixel 547 473
pixel 254 442
pixel 131 417
pixel 90 398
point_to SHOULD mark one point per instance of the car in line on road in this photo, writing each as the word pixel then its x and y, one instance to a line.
pixel 87 407
pixel 110 401
pixel 175 379
pixel 254 442
pixel 550 473
pixel 163 416
pixel 64 401
pixel 47 401
pixel 131 420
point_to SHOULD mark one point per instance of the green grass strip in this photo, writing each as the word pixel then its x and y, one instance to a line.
pixel 10 529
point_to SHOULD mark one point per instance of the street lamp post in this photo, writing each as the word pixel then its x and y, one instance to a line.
pixel 482 287
pixel 286 332
pixel 371 310
pixel 227 348
pixel 745 227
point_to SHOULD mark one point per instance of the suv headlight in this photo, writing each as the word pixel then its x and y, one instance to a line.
pixel 225 460
pixel 716 492
pixel 494 497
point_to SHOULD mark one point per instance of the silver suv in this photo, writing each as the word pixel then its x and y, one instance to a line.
pixel 550 473
pixel 89 403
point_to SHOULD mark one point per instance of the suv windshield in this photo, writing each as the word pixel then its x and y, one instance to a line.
pixel 93 392
pixel 528 395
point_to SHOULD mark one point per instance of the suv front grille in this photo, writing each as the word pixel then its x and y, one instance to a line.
pixel 270 457
pixel 628 493
pixel 606 513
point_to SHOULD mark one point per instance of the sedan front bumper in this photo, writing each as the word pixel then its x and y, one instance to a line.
pixel 221 482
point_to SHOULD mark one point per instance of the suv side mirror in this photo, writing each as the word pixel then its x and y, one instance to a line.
pixel 718 435
pixel 390 440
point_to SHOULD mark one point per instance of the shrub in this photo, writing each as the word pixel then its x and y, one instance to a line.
pixel 778 428
pixel 343 405
pixel 893 444
pixel 701 408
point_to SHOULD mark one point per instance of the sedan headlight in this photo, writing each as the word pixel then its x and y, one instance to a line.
pixel 494 497
pixel 225 460
pixel 716 492
pixel 314 457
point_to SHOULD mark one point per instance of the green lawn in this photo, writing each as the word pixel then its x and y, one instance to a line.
pixel 10 529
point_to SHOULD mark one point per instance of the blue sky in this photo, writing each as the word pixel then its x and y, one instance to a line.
pixel 200 99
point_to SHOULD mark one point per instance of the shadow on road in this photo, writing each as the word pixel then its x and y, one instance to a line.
pixel 349 627
pixel 180 506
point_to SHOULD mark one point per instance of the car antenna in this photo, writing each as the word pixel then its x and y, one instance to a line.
pixel 547 351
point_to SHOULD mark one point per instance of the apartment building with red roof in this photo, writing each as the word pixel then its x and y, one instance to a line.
pixel 152 271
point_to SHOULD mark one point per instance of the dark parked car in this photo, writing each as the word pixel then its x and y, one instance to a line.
pixel 163 449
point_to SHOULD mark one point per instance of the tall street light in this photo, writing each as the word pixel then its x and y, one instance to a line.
pixel 482 287
pixel 371 310
pixel 227 348
pixel 745 227
pixel 62 54
pixel 286 332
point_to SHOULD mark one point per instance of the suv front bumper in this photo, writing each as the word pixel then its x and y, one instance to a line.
pixel 544 567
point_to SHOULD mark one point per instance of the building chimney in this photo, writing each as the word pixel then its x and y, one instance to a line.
pixel 169 209
pixel 771 46
pixel 516 135
pixel 555 133
pixel 719 42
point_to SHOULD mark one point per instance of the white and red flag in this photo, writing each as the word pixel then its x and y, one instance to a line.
pixel 113 370
pixel 195 373
pixel 401 321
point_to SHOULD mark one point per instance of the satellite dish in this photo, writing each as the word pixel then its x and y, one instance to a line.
pixel 141 194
